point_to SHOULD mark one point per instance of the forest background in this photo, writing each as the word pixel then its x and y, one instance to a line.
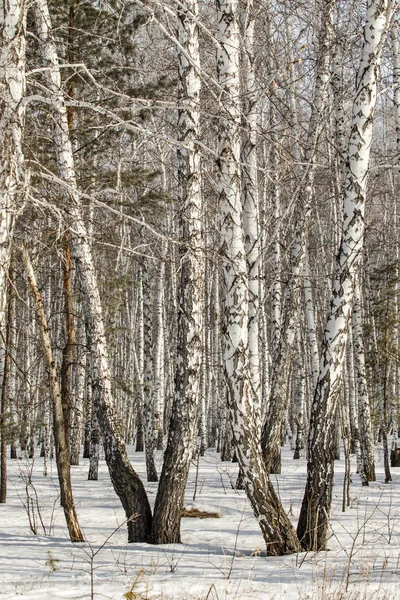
pixel 199 245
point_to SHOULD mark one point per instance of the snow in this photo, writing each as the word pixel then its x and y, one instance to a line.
pixel 221 558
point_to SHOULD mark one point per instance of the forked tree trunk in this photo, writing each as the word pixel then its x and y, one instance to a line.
pixel 315 512
pixel 60 441
pixel 183 425
pixel 279 535
pixel 126 482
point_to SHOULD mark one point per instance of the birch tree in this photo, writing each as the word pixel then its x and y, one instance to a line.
pixel 250 192
pixel 277 530
pixel 314 516
pixel 183 425
pixel 12 116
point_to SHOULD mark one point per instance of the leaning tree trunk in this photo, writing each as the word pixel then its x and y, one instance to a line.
pixel 314 517
pixel 183 426
pixel 126 482
pixel 279 535
pixel 60 439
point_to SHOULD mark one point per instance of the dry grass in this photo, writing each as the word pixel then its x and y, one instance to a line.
pixel 195 513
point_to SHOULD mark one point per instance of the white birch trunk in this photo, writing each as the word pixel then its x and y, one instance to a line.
pixel 12 114
pixel 250 195
pixel 314 517
pixel 183 426
pixel 277 530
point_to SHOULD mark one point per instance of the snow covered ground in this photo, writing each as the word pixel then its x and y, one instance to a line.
pixel 219 559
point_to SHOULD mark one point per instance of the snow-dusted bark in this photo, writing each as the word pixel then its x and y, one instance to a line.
pixel 183 425
pixel 126 483
pixel 314 517
pixel 12 113
pixel 277 530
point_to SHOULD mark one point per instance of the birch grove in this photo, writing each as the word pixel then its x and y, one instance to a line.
pixel 209 195
pixel 314 517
